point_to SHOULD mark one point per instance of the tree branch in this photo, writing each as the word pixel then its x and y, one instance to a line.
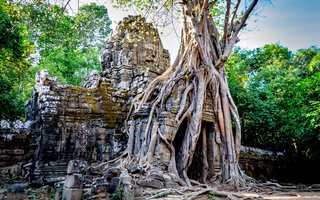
pixel 234 12
pixel 211 4
pixel 65 7
pixel 226 22
pixel 238 28
pixel 246 15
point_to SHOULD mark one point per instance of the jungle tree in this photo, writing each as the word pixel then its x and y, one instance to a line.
pixel 209 33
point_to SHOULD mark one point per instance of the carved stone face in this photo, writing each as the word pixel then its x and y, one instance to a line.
pixel 76 166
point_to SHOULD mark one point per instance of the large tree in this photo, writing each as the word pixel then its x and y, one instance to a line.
pixel 209 33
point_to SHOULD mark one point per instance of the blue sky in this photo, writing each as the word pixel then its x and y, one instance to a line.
pixel 293 23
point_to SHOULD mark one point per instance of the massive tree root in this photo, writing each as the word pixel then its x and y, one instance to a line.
pixel 197 74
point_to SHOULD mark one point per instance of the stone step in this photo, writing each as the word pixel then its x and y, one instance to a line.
pixel 53 168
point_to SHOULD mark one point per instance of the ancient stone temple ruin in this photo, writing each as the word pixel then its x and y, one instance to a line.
pixel 86 122
pixel 84 126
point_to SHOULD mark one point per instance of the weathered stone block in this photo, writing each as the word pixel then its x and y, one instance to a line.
pixel 17 192
pixel 154 183
pixel 96 189
pixel 74 181
pixel 174 178
pixel 17 188
pixel 76 166
pixel 72 194
pixel 54 180
pixel 126 179
pixel 171 185
pixel 18 152
pixel 13 196
pixel 44 192
pixel 112 172
pixel 114 185
pixel 156 175
pixel 101 181
pixel 166 178
pixel 138 191
pixel 128 192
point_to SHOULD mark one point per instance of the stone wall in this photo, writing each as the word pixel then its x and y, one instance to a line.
pixel 17 146
pixel 266 165
pixel 75 122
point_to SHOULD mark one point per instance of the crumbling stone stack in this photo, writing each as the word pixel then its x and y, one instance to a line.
pixel 74 180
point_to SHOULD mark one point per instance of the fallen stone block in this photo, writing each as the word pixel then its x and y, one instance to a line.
pixel 17 192
pixel 134 168
pixel 17 188
pixel 171 185
pixel 126 179
pixel 72 194
pixel 44 192
pixel 96 189
pixel 154 183
pixel 53 180
pixel 128 192
pixel 13 196
pixel 138 191
pixel 156 175
pixel 111 172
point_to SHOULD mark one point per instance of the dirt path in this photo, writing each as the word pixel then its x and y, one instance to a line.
pixel 294 196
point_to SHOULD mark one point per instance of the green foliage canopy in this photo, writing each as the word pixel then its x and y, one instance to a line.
pixel 15 50
pixel 277 94
pixel 37 35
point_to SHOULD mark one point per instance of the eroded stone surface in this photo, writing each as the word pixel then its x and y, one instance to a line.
pixel 17 146
pixel 133 55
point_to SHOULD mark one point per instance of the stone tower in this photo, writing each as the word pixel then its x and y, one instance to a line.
pixel 86 122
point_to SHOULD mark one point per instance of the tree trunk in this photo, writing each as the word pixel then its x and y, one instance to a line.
pixel 197 71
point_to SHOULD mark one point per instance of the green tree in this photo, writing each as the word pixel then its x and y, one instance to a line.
pixel 277 95
pixel 69 46
pixel 15 50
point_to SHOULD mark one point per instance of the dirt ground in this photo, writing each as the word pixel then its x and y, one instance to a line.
pixel 288 195
pixel 294 196
pixel 275 196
